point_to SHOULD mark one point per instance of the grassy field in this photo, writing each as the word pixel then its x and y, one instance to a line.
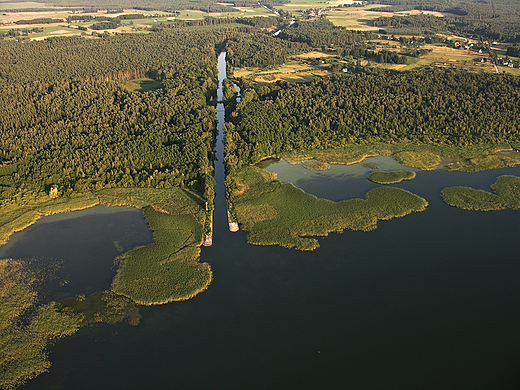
pixel 142 84
pixel 281 214
pixel 506 194
pixel 381 177
pixel 21 5
pixel 296 69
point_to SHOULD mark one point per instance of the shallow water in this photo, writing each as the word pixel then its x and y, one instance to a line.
pixel 86 242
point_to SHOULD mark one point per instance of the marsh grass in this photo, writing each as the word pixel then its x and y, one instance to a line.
pixel 168 269
pixel 281 214
pixel 424 160
pixel 506 194
pixel 14 218
pixel 494 161
pixel 27 327
pixel 424 156
pixel 316 165
pixel 380 177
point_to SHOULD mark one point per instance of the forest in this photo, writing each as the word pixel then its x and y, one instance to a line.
pixel 322 32
pixel 69 123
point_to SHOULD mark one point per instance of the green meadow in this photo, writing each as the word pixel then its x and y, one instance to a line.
pixel 273 213
pixel 381 177
pixel 506 194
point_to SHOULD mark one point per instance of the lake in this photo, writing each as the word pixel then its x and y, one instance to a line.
pixel 428 301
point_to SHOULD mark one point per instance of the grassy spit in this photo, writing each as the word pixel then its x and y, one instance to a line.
pixel 506 194
pixel 280 214
pixel 391 177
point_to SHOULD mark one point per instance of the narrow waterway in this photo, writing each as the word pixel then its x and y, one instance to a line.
pixel 220 214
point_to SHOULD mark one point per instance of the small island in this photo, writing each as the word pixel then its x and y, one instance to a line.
pixel 391 177
pixel 506 194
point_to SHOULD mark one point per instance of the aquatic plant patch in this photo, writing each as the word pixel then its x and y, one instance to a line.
pixel 506 194
pixel 168 269
pixel 27 327
pixel 380 177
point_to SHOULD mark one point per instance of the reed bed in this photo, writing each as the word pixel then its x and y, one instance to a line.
pixel 424 156
pixel 26 326
pixel 281 214
pixel 316 165
pixel 168 269
pixel 164 271
pixel 494 161
pixel 380 177
pixel 424 160
pixel 506 194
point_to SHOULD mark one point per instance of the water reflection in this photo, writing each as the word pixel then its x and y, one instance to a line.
pixel 86 241
pixel 339 182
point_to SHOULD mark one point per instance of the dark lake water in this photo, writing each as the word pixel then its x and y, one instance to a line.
pixel 428 301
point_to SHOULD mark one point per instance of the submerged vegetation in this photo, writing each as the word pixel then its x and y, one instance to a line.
pixel 27 326
pixel 506 194
pixel 273 213
pixel 391 177
pixel 103 307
